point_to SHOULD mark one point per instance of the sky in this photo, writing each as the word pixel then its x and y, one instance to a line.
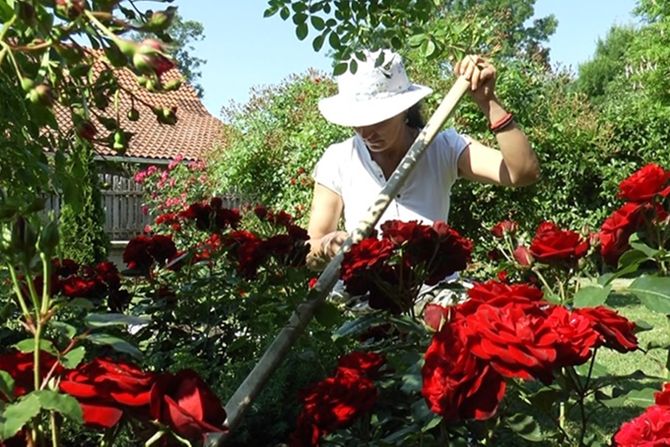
pixel 243 49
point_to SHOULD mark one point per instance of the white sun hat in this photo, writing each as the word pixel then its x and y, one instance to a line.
pixel 372 94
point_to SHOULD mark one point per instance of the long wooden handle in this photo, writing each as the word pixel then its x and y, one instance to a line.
pixel 275 353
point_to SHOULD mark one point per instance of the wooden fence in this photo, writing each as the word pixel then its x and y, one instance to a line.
pixel 122 202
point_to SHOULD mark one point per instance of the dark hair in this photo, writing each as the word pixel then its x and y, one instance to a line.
pixel 415 117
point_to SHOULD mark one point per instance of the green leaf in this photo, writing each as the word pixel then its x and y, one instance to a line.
pixel 28 345
pixel 598 370
pixel 318 23
pixel 60 403
pixel 73 358
pixel 653 292
pixel 327 314
pixel 525 426
pixel 334 41
pixel 301 31
pixel 104 320
pixel 353 66
pixel 340 68
pixel 353 327
pixel 16 415
pixel 428 48
pixel 284 13
pixel 6 385
pixel 631 259
pixel 416 40
pixel 66 329
pixel 317 43
pixel 650 252
pixel 116 343
pixel 642 398
pixel 591 296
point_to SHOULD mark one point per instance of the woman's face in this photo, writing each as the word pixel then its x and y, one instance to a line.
pixel 383 135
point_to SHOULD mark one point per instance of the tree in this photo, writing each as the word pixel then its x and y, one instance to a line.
pixel 433 27
pixel 184 33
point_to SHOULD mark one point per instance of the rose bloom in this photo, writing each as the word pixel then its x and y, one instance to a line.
pixel 663 397
pixel 187 405
pixel 142 251
pixel 453 253
pixel 516 340
pixel 247 250
pixel 366 254
pixel 456 384
pixel 617 229
pixel 576 336
pixel 106 389
pixel 646 183
pixel 19 365
pixel 506 226
pixel 650 429
pixel 366 364
pixel 551 245
pixel 522 256
pixel 499 294
pixel 616 332
pixel 331 404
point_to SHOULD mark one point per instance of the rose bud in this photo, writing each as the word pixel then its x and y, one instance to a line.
pixel 133 114
pixel 41 94
pixel 86 130
pixel 165 115
pixel 70 9
pixel 149 58
pixel 522 256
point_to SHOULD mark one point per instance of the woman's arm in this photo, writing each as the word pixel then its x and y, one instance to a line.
pixel 325 214
pixel 515 164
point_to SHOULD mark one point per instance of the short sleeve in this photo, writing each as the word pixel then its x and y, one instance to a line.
pixel 453 145
pixel 327 171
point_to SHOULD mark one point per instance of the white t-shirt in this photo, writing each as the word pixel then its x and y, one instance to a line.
pixel 348 169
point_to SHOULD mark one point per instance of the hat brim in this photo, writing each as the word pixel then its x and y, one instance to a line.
pixel 344 111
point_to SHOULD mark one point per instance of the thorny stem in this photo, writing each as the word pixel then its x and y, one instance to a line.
pixel 19 295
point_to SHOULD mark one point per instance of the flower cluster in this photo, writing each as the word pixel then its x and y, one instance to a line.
pixel 338 400
pixel 250 250
pixel 73 280
pixel 505 332
pixel 644 190
pixel 651 428
pixel 390 270
pixel 142 252
pixel 109 390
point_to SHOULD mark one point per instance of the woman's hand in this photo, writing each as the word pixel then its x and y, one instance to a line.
pixel 481 74
pixel 331 243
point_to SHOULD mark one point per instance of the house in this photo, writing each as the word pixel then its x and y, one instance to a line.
pixel 194 134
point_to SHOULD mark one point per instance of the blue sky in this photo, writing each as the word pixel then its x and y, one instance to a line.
pixel 244 50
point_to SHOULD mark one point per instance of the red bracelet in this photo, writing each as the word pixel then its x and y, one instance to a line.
pixel 502 123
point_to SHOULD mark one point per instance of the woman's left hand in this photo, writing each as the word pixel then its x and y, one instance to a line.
pixel 481 74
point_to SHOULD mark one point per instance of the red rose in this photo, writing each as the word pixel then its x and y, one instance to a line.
pixel 551 245
pixel 366 254
pixel 19 365
pixel 616 331
pixel 187 405
pixel 646 183
pixel 456 384
pixel 336 401
pixel 148 57
pixel 663 397
pixel 650 429
pixel 616 231
pixel 227 218
pixel 522 256
pixel 106 389
pixel 576 336
pixel 504 227
pixel 142 251
pixel 499 294
pixel 453 253
pixel 515 340
pixel 247 250
pixel 365 363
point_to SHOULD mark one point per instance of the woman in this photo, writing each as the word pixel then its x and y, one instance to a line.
pixel 381 105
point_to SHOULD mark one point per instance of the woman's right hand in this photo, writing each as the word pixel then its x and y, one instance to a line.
pixel 332 242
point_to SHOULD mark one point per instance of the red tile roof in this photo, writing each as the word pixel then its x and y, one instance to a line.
pixel 195 133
